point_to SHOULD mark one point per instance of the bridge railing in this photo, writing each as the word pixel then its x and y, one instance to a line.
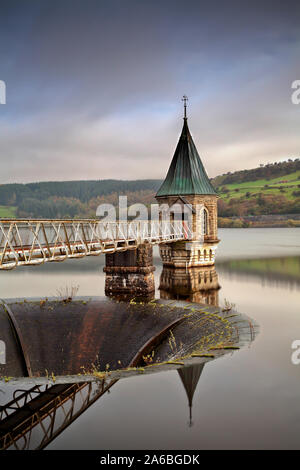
pixel 36 416
pixel 25 242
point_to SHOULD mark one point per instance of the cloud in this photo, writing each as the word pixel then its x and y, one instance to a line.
pixel 94 88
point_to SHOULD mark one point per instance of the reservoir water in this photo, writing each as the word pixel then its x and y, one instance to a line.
pixel 248 399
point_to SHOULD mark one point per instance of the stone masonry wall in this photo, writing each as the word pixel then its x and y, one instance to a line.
pixel 130 272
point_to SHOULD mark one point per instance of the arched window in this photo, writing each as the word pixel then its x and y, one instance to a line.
pixel 205 222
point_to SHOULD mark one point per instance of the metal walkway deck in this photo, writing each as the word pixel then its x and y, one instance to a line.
pixel 33 242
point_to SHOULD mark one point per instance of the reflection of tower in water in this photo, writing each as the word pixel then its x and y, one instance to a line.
pixel 190 377
pixel 198 284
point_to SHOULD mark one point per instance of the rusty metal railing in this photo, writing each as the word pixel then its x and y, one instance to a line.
pixel 33 242
pixel 35 417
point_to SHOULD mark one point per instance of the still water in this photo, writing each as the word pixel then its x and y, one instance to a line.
pixel 249 399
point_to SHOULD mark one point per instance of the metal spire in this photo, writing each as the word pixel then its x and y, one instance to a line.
pixel 185 99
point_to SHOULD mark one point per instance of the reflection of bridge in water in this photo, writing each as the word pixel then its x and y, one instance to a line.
pixel 35 417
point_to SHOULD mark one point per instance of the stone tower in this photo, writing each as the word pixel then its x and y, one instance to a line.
pixel 188 185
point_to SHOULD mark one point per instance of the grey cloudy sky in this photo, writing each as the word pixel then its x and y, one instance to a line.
pixel 94 87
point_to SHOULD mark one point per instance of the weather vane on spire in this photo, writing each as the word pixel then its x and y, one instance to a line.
pixel 185 99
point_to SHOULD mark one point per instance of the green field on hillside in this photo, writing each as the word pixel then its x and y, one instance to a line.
pixel 292 178
pixel 285 185
pixel 7 212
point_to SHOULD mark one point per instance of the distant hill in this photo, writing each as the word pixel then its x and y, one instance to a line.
pixel 263 172
pixel 66 199
pixel 268 189
pixel 84 191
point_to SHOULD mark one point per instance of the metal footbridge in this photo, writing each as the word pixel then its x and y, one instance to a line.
pixel 34 242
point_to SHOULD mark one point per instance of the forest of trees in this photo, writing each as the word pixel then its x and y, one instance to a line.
pixel 258 205
pixel 83 191
pixel 69 207
pixel 80 199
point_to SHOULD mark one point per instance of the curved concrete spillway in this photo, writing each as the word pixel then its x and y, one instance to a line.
pixel 65 338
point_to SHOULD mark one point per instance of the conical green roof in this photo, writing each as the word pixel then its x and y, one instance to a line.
pixel 186 174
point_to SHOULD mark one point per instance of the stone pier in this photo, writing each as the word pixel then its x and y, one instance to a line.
pixel 129 274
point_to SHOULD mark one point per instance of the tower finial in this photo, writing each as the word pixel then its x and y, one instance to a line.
pixel 185 99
